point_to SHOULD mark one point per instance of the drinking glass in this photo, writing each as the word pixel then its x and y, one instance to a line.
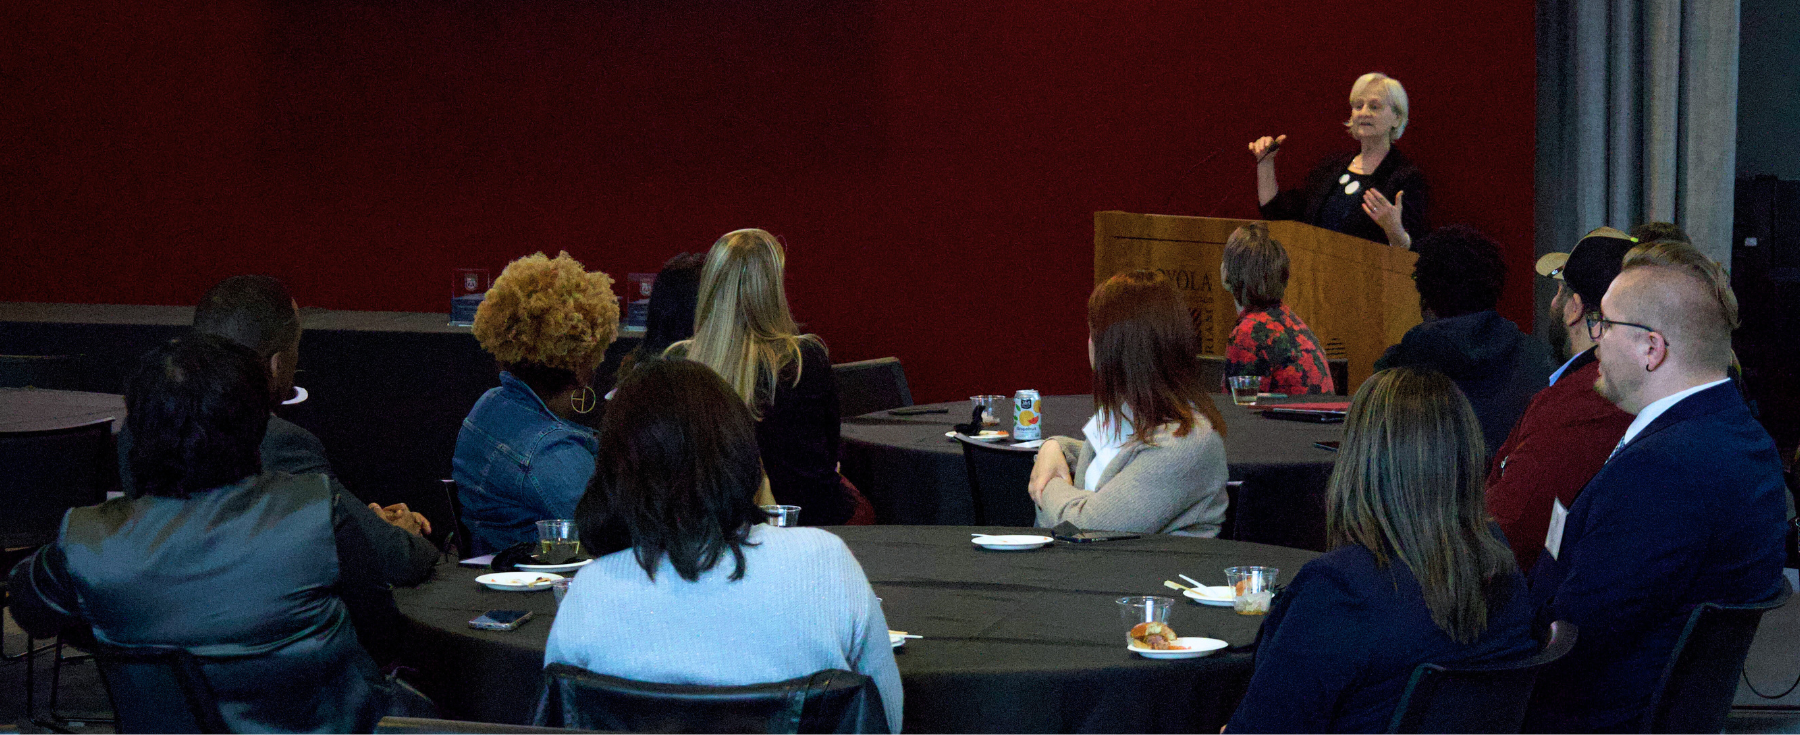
pixel 1144 609
pixel 560 588
pixel 1254 586
pixel 558 542
pixel 1244 388
pixel 783 516
pixel 992 408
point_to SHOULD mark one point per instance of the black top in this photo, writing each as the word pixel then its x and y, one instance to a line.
pixel 798 435
pixel 262 578
pixel 1498 367
pixel 1692 510
pixel 1395 174
pixel 1342 641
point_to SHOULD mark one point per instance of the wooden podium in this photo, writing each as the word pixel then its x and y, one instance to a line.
pixel 1356 295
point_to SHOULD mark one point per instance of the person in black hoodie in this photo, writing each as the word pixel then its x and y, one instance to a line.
pixel 1459 275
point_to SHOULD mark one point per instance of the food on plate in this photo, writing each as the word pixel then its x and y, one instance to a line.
pixel 1155 636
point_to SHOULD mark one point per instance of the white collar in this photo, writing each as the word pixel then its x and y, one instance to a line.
pixel 1657 407
pixel 1110 436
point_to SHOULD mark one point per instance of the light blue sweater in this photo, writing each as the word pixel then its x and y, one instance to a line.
pixel 802 606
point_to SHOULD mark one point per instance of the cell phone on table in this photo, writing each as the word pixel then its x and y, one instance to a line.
pixel 1067 531
pixel 500 620
pixel 1328 446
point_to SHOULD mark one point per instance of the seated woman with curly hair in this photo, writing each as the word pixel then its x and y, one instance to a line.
pixel 520 457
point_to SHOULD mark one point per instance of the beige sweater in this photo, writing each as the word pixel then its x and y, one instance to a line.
pixel 1176 486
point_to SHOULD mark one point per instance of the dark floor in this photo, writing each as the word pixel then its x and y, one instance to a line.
pixel 1773 667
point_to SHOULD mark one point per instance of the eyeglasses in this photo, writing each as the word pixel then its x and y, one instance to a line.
pixel 1597 326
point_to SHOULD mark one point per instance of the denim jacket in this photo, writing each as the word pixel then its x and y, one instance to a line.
pixel 517 463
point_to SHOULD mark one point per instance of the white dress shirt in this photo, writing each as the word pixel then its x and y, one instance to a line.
pixel 1107 440
pixel 1656 408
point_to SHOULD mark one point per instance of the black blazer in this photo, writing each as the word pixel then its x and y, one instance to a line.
pixel 1692 510
pixel 798 436
pixel 1395 174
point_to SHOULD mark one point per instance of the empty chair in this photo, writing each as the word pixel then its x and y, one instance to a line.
pixel 1476 698
pixel 998 477
pixel 829 701
pixel 158 689
pixel 867 386
pixel 40 371
pixel 1701 678
pixel 1340 374
pixel 1212 373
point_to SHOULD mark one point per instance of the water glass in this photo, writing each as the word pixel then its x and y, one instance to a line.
pixel 558 542
pixel 1244 389
pixel 783 516
pixel 992 408
pixel 1144 609
pixel 1255 587
pixel 560 588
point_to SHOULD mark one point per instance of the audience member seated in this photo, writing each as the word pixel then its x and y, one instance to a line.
pixel 1568 430
pixel 257 312
pixel 244 568
pixel 745 333
pixel 671 311
pixel 690 587
pixel 521 457
pixel 1416 574
pixel 1459 274
pixel 1154 459
pixel 1690 509
pixel 1270 341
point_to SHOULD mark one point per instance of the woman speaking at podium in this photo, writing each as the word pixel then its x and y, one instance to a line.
pixel 1375 193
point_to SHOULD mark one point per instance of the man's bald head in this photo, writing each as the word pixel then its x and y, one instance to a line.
pixel 1684 295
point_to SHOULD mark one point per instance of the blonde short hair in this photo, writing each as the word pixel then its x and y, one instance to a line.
pixel 1390 88
pixel 548 312
pixel 1703 322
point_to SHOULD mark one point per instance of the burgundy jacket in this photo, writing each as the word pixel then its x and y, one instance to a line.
pixel 1560 443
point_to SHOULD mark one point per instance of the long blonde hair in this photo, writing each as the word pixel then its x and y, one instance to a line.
pixel 742 327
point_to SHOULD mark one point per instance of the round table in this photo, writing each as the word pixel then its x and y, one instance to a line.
pixel 914 475
pixel 1014 641
pixel 32 409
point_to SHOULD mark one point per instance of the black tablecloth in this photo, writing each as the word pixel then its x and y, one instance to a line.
pixel 914 475
pixel 32 409
pixel 1014 641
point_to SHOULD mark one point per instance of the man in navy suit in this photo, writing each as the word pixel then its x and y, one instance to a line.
pixel 1689 509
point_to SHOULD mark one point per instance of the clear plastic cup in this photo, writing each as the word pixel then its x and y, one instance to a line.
pixel 1255 587
pixel 783 516
pixel 1244 389
pixel 1144 609
pixel 558 542
pixel 992 408
pixel 560 588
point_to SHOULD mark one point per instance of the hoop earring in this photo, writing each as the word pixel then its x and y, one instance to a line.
pixel 584 402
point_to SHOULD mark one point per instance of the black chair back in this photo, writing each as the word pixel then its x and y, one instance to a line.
pixel 998 477
pixel 868 386
pixel 829 701
pixel 1212 373
pixel 1476 698
pixel 61 372
pixel 1340 374
pixel 158 689
pixel 1262 513
pixel 456 533
pixel 48 472
pixel 1701 677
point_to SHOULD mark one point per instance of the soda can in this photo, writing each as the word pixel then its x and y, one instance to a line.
pixel 1028 416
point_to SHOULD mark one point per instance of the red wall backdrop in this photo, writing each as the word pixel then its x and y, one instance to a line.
pixel 933 167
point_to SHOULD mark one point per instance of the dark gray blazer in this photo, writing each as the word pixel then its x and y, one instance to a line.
pixel 287 447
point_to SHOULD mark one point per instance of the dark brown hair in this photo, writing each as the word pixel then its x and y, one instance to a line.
pixel 1410 485
pixel 197 408
pixel 677 472
pixel 1146 358
pixel 1256 267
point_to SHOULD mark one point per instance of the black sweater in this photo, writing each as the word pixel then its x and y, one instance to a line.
pixel 1395 174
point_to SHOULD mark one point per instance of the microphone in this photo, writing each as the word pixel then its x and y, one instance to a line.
pixel 1185 174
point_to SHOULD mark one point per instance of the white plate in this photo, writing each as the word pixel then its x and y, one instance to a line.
pixel 986 436
pixel 1191 647
pixel 1011 543
pixel 518 581
pixel 569 567
pixel 1215 596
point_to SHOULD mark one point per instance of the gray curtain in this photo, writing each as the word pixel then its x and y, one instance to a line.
pixel 1637 119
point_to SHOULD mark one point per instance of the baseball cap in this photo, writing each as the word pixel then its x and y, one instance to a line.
pixel 1591 265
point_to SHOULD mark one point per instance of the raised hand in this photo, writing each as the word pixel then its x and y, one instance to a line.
pixel 1265 148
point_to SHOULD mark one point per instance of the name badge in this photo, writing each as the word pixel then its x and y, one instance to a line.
pixel 1558 517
